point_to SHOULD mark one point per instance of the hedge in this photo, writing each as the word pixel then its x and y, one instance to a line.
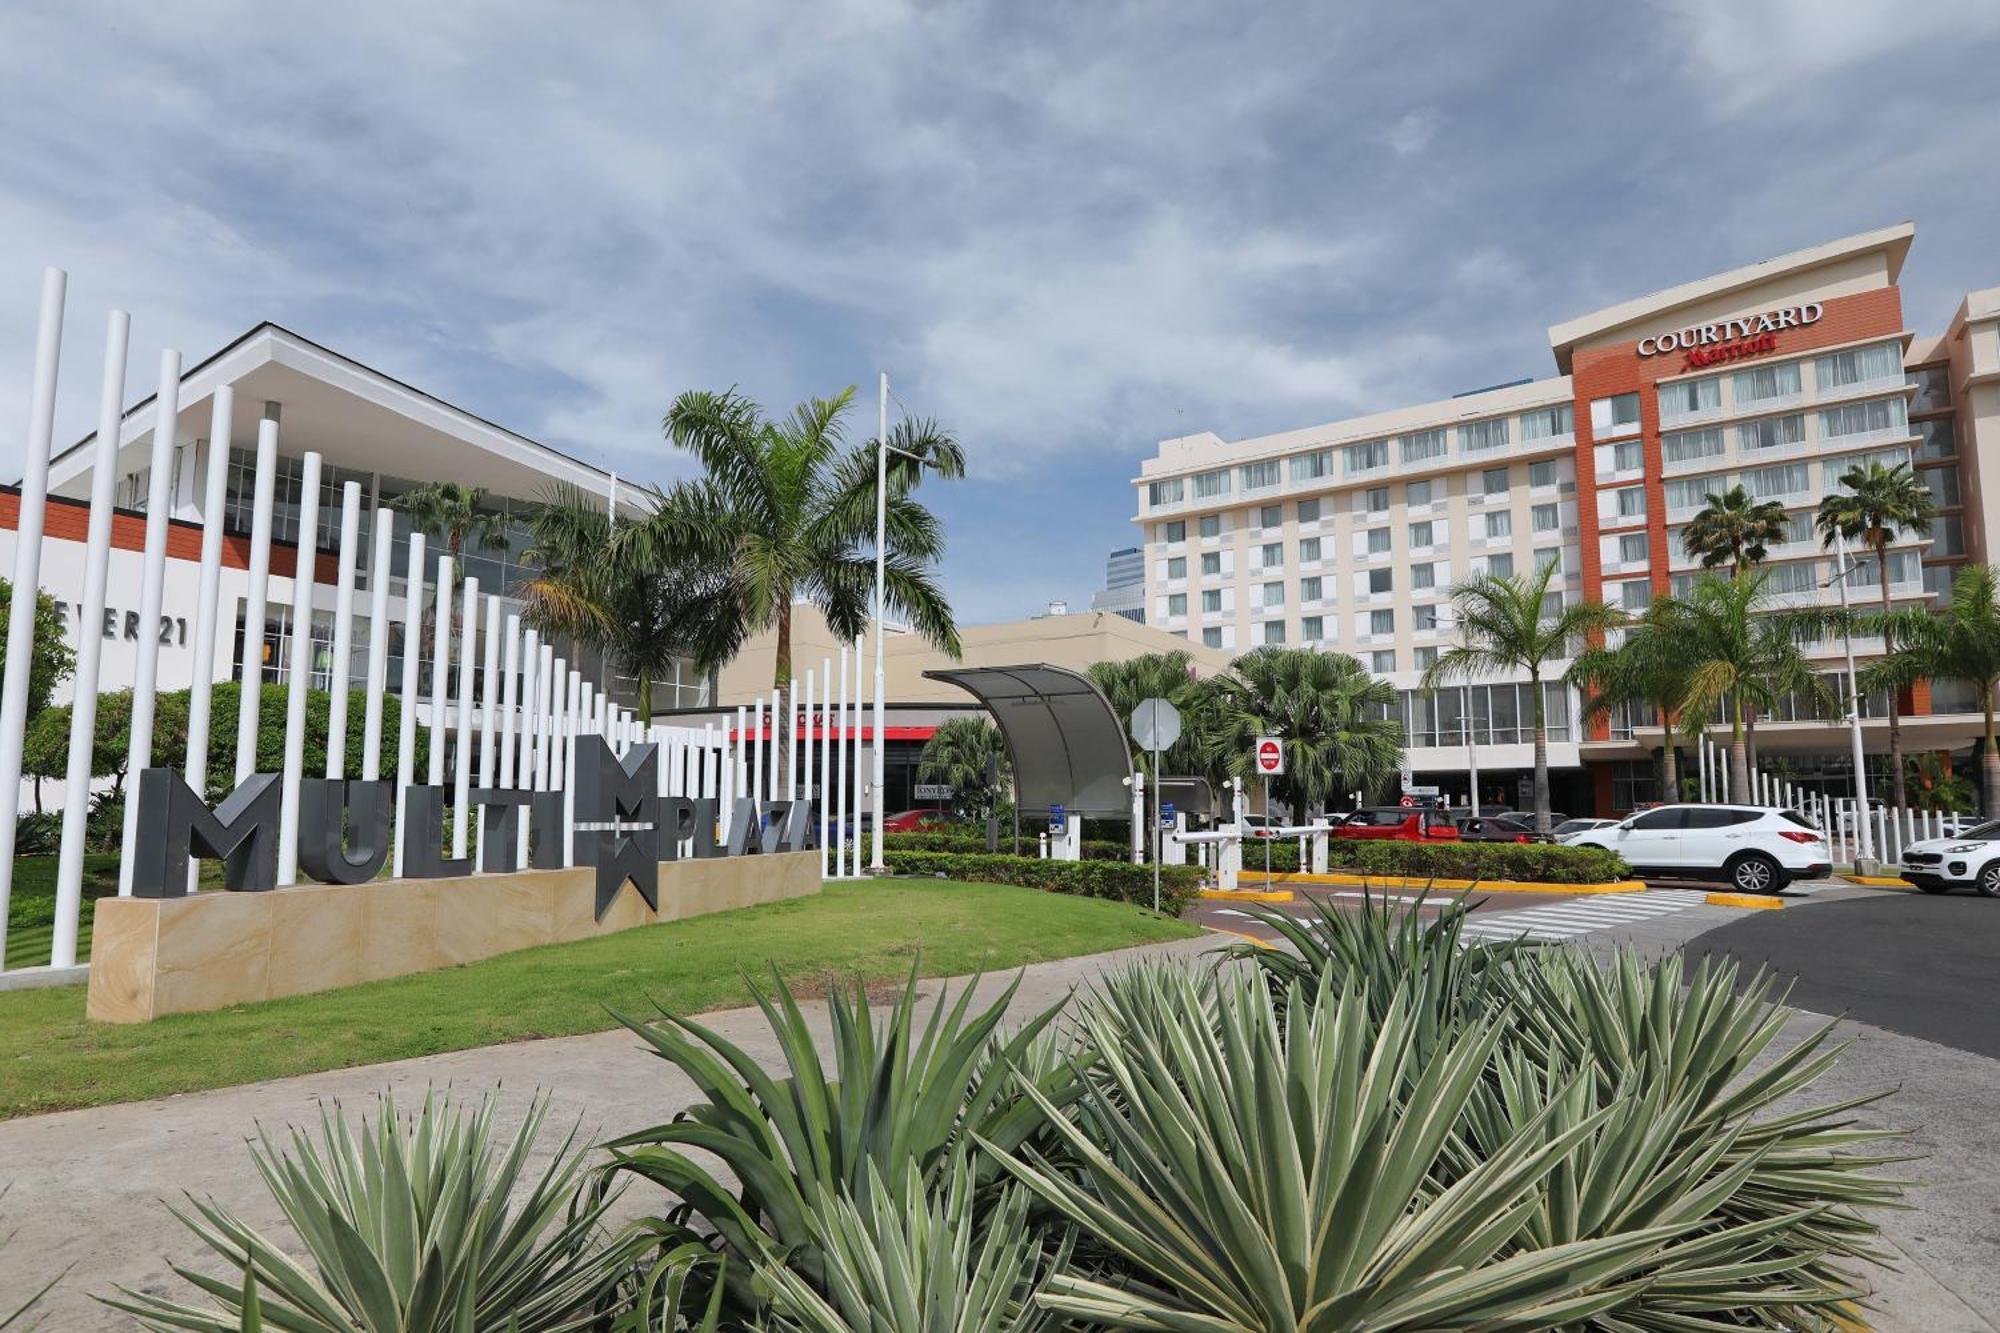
pixel 1118 881
pixel 974 841
pixel 1548 863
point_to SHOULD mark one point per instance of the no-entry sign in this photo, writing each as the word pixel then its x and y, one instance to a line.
pixel 1270 756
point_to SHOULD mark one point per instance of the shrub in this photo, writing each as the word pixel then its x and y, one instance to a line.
pixel 1120 881
pixel 974 840
pixel 1476 860
pixel 38 833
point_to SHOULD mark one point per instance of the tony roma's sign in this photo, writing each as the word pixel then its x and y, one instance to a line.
pixel 622 826
pixel 1730 339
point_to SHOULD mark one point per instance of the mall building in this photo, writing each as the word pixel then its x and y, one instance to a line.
pixel 1778 376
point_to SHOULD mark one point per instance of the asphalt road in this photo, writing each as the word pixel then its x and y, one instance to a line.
pixel 1923 966
pixel 1224 916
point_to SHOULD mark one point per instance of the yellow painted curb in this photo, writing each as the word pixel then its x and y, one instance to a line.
pixel 1755 901
pixel 1489 885
pixel 1879 881
pixel 1249 895
pixel 1218 930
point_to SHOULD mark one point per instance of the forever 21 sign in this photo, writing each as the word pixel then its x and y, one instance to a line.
pixel 623 827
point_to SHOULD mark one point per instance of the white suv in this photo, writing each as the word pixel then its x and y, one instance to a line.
pixel 1756 848
pixel 1970 859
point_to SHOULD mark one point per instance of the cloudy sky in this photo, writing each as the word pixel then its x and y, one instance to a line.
pixel 1067 231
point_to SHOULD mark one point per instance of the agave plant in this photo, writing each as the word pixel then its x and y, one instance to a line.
pixel 411 1225
pixel 898 1101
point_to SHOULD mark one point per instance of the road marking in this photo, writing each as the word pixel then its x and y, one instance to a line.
pixel 1564 921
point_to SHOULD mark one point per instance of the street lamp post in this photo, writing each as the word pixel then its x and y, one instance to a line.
pixel 881 580
pixel 1864 835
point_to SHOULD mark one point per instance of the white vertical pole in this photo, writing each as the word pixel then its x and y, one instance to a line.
pixel 152 588
pixel 881 608
pixel 440 671
pixel 461 762
pixel 804 790
pixel 299 669
pixel 530 693
pixel 733 786
pixel 702 787
pixel 840 772
pixel 201 684
pixel 489 708
pixel 510 675
pixel 792 742
pixel 774 777
pixel 1701 763
pixel 90 644
pixel 257 594
pixel 378 644
pixel 826 774
pixel 858 784
pixel 406 708
pixel 28 578
pixel 756 740
pixel 573 713
pixel 343 630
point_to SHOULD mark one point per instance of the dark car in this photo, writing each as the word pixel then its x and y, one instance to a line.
pixel 1397 823
pixel 1499 828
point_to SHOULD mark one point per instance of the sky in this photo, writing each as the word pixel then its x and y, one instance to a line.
pixel 1066 232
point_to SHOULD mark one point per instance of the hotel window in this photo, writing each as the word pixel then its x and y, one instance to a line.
pixel 1688 492
pixel 1211 525
pixel 1904 567
pixel 1356 458
pixel 1424 616
pixel 1478 436
pixel 1630 457
pixel 1382 622
pixel 1422 446
pixel 1271 554
pixel 1552 606
pixel 1549 557
pixel 1312 629
pixel 1375 499
pixel 1309 589
pixel 1259 476
pixel 1309 511
pixel 1933 388
pixel 1632 548
pixel 1274 631
pixel 1211 601
pixel 1947 538
pixel 1635 594
pixel 1687 398
pixel 1544 473
pixel 1423 577
pixel 1177 567
pixel 1937 439
pixel 1212 637
pixel 1542 518
pixel 1858 365
pixel 1271 516
pixel 1770 433
pixel 1420 534
pixel 1177 604
pixel 1689 446
pixel 1785 479
pixel 1208 485
pixel 1755 386
pixel 1548 421
pixel 1175 531
pixel 1632 502
pixel 1614 416
pixel 1165 492
pixel 1382 661
pixel 1798 576
pixel 1274 595
pixel 1378 541
pixel 1499 524
pixel 1418 493
pixel 1493 481
pixel 1862 418
pixel 1381 580
pixel 1423 659
pixel 1211 563
pixel 1500 566
pixel 1312 466
pixel 1308 550
pixel 1943 484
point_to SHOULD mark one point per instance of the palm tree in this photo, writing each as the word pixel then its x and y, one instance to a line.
pixel 1957 641
pixel 1875 504
pixel 1504 627
pixel 968 755
pixel 1338 724
pixel 1732 529
pixel 797 508
pixel 1170 676
pixel 455 511
pixel 1737 656
pixel 646 592
pixel 1642 672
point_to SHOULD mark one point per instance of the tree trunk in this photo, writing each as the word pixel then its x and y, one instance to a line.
pixel 1990 763
pixel 1670 767
pixel 1739 754
pixel 1750 737
pixel 1541 758
pixel 1889 650
pixel 781 676
pixel 645 697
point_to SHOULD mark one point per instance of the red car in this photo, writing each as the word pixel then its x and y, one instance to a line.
pixel 1397 823
pixel 915 821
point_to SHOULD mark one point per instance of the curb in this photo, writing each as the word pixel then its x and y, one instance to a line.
pixel 1877 881
pixel 1249 895
pixel 1753 901
pixel 1489 885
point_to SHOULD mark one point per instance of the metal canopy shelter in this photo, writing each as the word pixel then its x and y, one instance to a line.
pixel 1192 797
pixel 1067 745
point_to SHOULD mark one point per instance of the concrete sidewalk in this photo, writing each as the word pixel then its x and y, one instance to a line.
pixel 88 1186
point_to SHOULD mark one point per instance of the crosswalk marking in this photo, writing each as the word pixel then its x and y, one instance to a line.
pixel 1567 920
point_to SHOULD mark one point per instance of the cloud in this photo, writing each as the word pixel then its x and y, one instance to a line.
pixel 1413 131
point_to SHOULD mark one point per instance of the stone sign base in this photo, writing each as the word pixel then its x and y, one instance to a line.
pixel 210 950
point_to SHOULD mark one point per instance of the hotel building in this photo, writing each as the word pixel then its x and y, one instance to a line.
pixel 1778 376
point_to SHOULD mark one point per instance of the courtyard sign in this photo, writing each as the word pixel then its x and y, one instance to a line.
pixel 1730 339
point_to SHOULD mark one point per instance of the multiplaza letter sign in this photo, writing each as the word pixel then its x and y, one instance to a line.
pixel 1730 339
pixel 623 827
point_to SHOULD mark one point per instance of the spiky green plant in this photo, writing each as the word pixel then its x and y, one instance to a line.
pixel 410 1225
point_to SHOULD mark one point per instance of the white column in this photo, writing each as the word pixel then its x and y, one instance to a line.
pixel 440 671
pixel 489 707
pixel 732 773
pixel 570 728
pixel 378 644
pixel 89 646
pixel 343 629
pixel 406 709
pixel 256 596
pixel 756 742
pixel 791 706
pixel 461 764
pixel 826 774
pixel 28 579
pixel 298 667
pixel 208 598
pixel 510 675
pixel 152 589
pixel 874 767
pixel 804 790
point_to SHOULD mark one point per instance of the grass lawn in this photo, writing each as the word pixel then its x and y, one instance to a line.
pixel 52 1058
